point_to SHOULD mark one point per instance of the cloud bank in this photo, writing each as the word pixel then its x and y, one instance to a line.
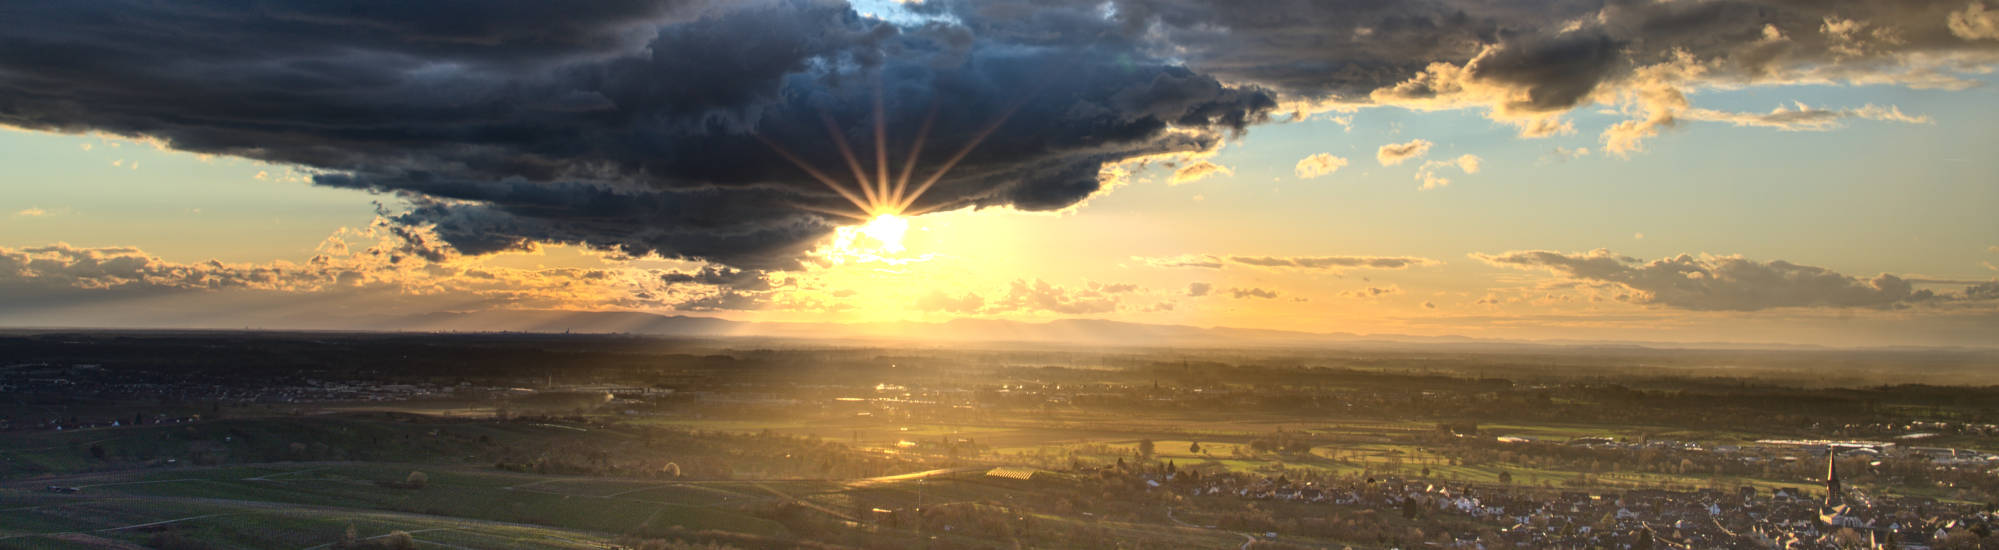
pixel 1329 263
pixel 1731 283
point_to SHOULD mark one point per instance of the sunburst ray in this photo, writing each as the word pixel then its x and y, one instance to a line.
pixel 814 172
pixel 853 163
pixel 915 151
pixel 960 155
pixel 881 150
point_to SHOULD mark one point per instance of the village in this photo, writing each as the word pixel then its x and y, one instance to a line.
pixel 1527 517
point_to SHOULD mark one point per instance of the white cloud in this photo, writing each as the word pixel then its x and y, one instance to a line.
pixel 1974 23
pixel 1319 165
pixel 1801 117
pixel 1198 170
pixel 1655 99
pixel 937 300
pixel 1394 153
pixel 1041 296
pixel 1564 154
pixel 1427 173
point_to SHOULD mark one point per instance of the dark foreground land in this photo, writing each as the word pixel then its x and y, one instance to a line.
pixel 270 440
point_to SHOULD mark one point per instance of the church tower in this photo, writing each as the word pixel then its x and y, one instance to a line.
pixel 1832 488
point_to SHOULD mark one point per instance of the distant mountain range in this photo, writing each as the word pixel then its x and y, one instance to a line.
pixel 1075 332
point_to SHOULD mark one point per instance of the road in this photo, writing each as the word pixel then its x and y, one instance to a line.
pixel 1247 539
pixel 457 523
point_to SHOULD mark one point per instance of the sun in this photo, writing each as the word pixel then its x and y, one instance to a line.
pixel 886 230
pixel 880 240
pixel 885 200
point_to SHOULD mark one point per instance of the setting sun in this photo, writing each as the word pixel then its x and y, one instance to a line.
pixel 887 230
pixel 881 240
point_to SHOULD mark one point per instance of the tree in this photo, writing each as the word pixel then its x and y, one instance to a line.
pixel 417 480
pixel 1505 477
pixel 1194 447
pixel 1145 449
pixel 1848 538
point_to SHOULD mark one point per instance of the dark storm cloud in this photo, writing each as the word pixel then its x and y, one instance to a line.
pixel 1555 49
pixel 1728 283
pixel 1304 47
pixel 1554 73
pixel 629 126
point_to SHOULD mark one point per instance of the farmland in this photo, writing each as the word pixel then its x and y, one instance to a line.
pixel 847 447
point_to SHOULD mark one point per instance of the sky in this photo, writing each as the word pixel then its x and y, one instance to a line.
pixel 1650 171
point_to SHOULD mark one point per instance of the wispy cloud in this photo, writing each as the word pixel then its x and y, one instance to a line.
pixel 1252 292
pixel 1394 153
pixel 1210 261
pixel 1197 171
pixel 1428 172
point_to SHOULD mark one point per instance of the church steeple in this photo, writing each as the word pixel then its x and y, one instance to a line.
pixel 1832 489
